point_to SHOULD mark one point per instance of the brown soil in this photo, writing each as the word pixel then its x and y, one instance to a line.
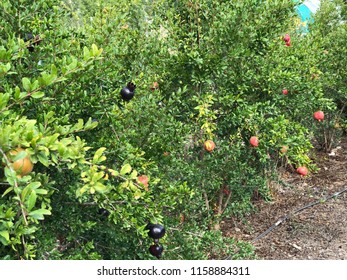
pixel 316 232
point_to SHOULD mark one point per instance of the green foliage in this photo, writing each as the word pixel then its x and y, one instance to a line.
pixel 221 67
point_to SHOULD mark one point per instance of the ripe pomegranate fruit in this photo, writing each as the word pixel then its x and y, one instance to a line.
pixel 302 170
pixel 254 141
pixel 319 115
pixel 285 91
pixel 128 92
pixel 209 145
pixel 154 86
pixel 143 179
pixel 286 39
pixel 156 250
pixel 156 231
pixel 22 166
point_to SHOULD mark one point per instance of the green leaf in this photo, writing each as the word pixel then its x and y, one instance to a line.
pixel 35 85
pixel 43 158
pixel 38 214
pixel 32 200
pixel 46 79
pixel 100 188
pixel 34 185
pixel 133 174
pixel 81 191
pixel 86 53
pixel 72 65
pixel 124 185
pixel 19 156
pixel 26 84
pixel 90 124
pixel 38 94
pixel 30 230
pixel 27 190
pixel 7 191
pixel 4 237
pixel 17 93
pixel 125 169
pixel 54 70
pixel 98 155
pixel 137 194
pixel 4 98
pixel 79 125
pixel 113 172
pixel 41 191
pixel 49 118
pixel 95 50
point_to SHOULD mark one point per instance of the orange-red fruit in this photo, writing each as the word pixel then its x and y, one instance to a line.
pixel 226 190
pixel 286 38
pixel 285 91
pixel 319 115
pixel 143 179
pixel 22 166
pixel 154 86
pixel 302 170
pixel 254 141
pixel 209 145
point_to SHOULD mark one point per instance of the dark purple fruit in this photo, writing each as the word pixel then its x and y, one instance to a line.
pixel 128 92
pixel 131 86
pixel 155 231
pixel 29 36
pixel 103 212
pixel 156 250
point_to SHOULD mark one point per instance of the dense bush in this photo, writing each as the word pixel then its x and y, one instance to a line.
pixel 203 70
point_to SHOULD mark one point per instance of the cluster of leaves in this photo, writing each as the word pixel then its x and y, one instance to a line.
pixel 221 67
pixel 41 112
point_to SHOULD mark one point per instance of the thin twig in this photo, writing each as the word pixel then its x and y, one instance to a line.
pixel 206 201
pixel 226 201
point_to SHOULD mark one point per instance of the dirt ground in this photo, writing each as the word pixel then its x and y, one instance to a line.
pixel 318 232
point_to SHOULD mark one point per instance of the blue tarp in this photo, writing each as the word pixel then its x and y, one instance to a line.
pixel 307 9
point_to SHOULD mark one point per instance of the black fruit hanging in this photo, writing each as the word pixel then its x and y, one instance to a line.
pixel 127 92
pixel 156 250
pixel 156 231
pixel 103 212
